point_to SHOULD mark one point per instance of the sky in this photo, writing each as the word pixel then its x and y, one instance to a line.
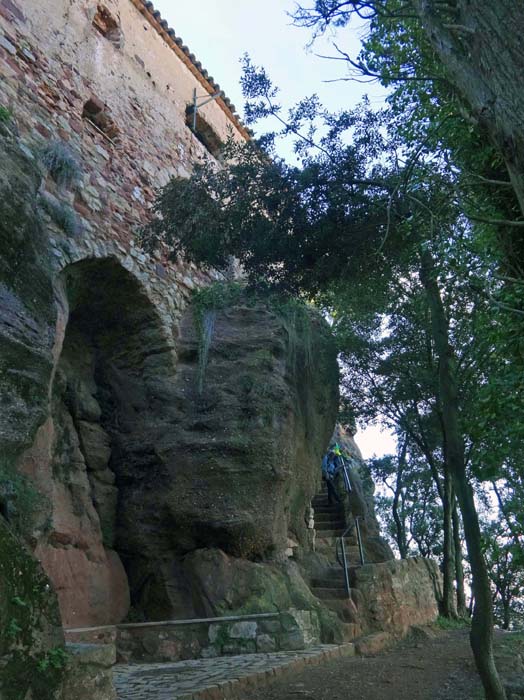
pixel 220 32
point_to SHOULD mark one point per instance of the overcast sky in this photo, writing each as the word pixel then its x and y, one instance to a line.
pixel 219 32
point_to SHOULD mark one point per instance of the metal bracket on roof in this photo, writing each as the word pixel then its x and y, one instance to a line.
pixel 197 105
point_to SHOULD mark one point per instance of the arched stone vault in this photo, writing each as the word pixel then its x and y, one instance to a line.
pixel 114 360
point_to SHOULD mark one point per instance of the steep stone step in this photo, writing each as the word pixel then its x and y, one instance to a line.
pixel 324 503
pixel 326 533
pixel 325 507
pixel 330 525
pixel 327 512
pixel 329 582
pixel 334 515
pixel 327 548
pixel 328 538
pixel 330 593
pixel 344 608
pixel 329 515
pixel 319 502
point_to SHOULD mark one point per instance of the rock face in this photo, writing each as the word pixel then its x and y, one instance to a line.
pixel 238 464
pixel 135 466
pixel 28 313
pixel 395 595
pixel 30 629
pixel 172 454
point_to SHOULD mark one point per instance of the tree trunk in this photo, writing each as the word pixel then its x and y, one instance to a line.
pixel 399 523
pixel 448 594
pixel 506 607
pixel 480 46
pixel 459 567
pixel 481 636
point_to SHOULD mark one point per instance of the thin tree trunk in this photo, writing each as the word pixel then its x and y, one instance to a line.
pixel 448 599
pixel 459 567
pixel 481 636
pixel 514 533
pixel 506 607
pixel 399 524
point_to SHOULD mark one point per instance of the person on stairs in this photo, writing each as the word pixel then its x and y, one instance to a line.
pixel 330 469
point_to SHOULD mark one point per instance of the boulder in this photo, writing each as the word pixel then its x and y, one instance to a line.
pixel 232 460
pixel 396 595
pixel 227 585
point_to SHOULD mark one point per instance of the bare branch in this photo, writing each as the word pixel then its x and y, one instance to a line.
pixel 495 222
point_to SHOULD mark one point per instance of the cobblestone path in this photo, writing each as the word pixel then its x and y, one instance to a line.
pixel 214 679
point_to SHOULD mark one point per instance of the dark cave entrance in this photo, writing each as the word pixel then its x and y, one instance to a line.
pixel 109 409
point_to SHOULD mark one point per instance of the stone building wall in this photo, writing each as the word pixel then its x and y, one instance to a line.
pixel 108 84
pixel 54 60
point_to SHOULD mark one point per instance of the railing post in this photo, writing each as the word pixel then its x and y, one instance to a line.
pixel 359 540
pixel 345 565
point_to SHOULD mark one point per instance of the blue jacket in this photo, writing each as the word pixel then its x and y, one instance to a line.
pixel 330 468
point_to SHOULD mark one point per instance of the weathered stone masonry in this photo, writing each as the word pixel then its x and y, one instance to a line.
pixel 112 83
pixel 54 60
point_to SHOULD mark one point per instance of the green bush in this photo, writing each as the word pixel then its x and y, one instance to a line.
pixel 5 114
pixel 449 623
pixel 18 497
pixel 60 163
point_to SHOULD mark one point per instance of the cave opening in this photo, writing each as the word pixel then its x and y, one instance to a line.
pixel 108 409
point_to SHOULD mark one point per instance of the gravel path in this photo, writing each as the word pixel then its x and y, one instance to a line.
pixel 439 668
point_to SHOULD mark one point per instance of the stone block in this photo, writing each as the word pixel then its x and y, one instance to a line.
pixel 243 630
pixel 240 647
pixel 7 45
pixel 265 643
pixel 103 655
pixel 271 627
pixel 373 643
pixel 89 673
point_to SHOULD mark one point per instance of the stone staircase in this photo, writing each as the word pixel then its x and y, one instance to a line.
pixel 330 524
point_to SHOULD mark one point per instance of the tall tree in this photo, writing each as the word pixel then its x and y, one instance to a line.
pixel 368 212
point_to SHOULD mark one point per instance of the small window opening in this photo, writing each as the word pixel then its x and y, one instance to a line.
pixel 97 114
pixel 107 25
pixel 204 132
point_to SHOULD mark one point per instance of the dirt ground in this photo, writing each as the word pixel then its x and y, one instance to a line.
pixel 438 668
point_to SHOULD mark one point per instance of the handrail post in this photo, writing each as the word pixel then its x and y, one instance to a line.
pixel 346 577
pixel 359 540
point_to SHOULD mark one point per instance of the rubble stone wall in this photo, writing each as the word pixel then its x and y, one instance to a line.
pixel 53 60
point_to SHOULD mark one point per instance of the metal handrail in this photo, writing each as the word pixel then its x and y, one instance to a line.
pixel 340 540
pixel 344 562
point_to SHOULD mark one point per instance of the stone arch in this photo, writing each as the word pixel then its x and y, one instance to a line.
pixel 115 360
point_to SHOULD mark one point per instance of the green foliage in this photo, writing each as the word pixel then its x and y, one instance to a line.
pixel 59 161
pixel 20 500
pixel 295 315
pixel 5 115
pixel 505 558
pixel 448 623
pixel 53 660
pixel 62 214
pixel 28 613
pixel 206 302
pixel 297 229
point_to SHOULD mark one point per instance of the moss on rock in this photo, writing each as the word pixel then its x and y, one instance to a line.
pixel 32 652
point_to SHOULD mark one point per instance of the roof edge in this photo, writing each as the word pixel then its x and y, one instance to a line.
pixel 154 18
